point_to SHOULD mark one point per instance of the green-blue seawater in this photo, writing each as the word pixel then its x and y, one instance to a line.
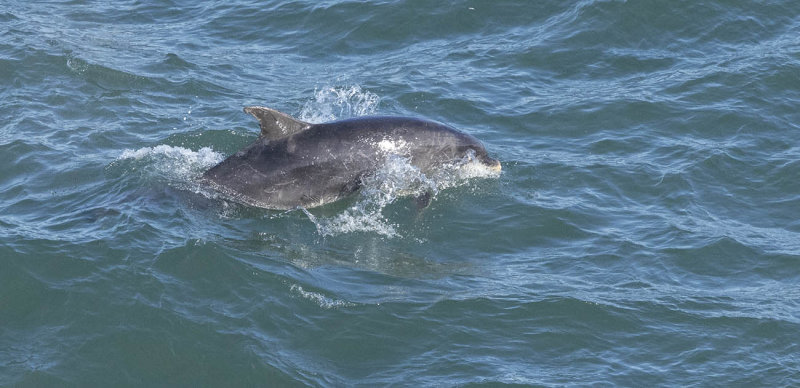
pixel 645 229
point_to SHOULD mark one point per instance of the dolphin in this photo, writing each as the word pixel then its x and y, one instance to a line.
pixel 298 164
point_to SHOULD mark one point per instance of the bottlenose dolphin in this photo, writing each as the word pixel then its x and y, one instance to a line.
pixel 294 163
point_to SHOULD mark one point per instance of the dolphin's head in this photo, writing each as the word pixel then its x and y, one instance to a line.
pixel 430 145
pixel 438 145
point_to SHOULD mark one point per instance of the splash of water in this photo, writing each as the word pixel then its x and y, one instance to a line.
pixel 396 178
pixel 459 172
pixel 334 103
pixel 173 163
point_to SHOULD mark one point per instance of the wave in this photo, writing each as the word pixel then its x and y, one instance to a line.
pixel 174 163
pixel 320 299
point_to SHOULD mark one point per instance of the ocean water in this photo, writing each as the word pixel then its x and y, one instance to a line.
pixel 645 229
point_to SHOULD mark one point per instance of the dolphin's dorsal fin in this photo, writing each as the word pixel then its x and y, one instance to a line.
pixel 276 125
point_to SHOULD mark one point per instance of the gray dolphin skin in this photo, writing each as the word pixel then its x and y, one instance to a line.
pixel 295 163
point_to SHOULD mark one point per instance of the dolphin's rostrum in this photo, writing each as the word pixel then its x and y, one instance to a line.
pixel 294 163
